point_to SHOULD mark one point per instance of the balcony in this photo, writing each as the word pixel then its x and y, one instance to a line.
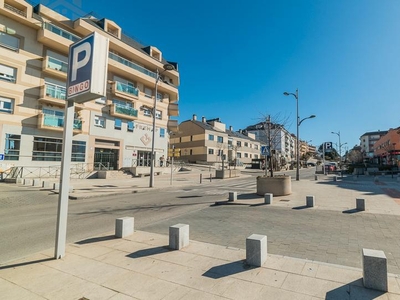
pixel 19 11
pixel 172 125
pixel 173 109
pixel 124 90
pixel 51 122
pixel 124 112
pixel 56 37
pixel 132 65
pixel 55 67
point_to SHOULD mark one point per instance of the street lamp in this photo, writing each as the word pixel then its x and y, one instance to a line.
pixel 298 122
pixel 167 67
pixel 340 147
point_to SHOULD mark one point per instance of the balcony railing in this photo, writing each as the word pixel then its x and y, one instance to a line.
pixel 61 32
pixel 132 65
pixel 126 110
pixel 56 64
pixel 55 91
pixel 55 121
pixel 125 88
pixel 14 9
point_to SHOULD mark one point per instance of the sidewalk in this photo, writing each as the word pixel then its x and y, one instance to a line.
pixel 142 267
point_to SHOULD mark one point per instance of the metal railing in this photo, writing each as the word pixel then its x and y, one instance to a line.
pixel 55 121
pixel 55 91
pixel 14 9
pixel 125 88
pixel 61 32
pixel 126 110
pixel 132 65
pixel 56 64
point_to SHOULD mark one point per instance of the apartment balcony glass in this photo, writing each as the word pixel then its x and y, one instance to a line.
pixel 56 64
pixel 61 32
pixel 125 88
pixel 125 110
pixel 132 65
pixel 58 122
pixel 55 91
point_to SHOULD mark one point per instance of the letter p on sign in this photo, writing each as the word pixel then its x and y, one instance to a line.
pixel 77 61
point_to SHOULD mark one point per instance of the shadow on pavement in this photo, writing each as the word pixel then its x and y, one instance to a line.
pixel 96 239
pixel 249 196
pixel 351 211
pixel 149 252
pixel 353 290
pixel 227 269
pixel 301 207
pixel 27 263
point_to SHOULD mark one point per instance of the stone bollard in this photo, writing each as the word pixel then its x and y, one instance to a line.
pixel 48 185
pixel 256 250
pixel 310 201
pixel 232 196
pixel 27 181
pixel 268 198
pixel 316 177
pixel 375 269
pixel 37 182
pixel 360 204
pixel 334 178
pixel 178 236
pixel 124 226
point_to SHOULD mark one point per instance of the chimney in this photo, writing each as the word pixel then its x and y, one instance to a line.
pixel 194 117
pixel 230 128
pixel 203 119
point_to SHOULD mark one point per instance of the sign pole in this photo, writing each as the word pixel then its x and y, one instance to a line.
pixel 62 213
pixel 323 149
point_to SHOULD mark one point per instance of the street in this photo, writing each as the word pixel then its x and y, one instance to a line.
pixel 28 220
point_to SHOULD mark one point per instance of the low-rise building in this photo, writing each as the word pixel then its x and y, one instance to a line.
pixel 367 141
pixel 387 148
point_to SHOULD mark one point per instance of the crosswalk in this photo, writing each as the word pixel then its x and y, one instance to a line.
pixel 221 188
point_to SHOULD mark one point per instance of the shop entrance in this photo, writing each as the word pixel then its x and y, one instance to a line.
pixel 106 159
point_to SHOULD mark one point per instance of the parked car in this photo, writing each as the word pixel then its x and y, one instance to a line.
pixel 330 166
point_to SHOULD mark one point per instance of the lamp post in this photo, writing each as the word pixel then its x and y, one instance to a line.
pixel 167 67
pixel 298 122
pixel 340 147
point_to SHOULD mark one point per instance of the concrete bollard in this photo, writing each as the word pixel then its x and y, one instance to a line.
pixel 315 177
pixel 310 201
pixel 48 185
pixel 375 269
pixel 37 182
pixel 334 178
pixel 124 226
pixel 178 236
pixel 268 198
pixel 256 250
pixel 360 204
pixel 232 196
pixel 27 181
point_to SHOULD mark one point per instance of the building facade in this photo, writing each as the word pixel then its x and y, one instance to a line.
pixel 387 148
pixel 208 141
pixel 114 131
pixel 367 141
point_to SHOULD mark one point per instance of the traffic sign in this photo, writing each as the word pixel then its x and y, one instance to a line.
pixel 1 156
pixel 328 146
pixel 265 150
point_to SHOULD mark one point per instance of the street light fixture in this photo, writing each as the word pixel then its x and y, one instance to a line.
pixel 298 122
pixel 167 67
pixel 340 147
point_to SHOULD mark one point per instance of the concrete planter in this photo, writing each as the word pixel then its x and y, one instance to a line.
pixel 278 186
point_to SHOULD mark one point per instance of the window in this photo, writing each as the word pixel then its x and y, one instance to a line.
pixel 246 155
pixel 147 112
pixel 219 153
pixel 191 138
pixel 131 125
pixel 6 105
pixel 148 92
pixel 117 124
pixel 49 149
pixel 256 147
pixel 159 114
pixel 122 103
pixel 239 144
pixel 210 137
pixel 239 155
pixel 53 118
pixel 191 151
pixel 246 144
pixel 8 73
pixel 162 132
pixel 13 144
pixel 210 151
pixel 160 97
pixel 220 139
pixel 255 156
pixel 8 41
pixel 99 121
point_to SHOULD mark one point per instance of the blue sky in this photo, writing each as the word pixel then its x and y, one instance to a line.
pixel 236 58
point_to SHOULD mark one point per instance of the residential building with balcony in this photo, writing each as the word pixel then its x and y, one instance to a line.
pixel 209 141
pixel 367 141
pixel 387 148
pixel 111 131
pixel 280 140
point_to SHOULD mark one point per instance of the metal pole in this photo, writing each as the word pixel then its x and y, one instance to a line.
pixel 323 151
pixel 201 178
pixel 297 146
pixel 153 135
pixel 62 212
pixel 340 151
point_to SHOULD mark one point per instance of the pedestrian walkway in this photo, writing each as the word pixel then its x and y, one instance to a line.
pixel 142 267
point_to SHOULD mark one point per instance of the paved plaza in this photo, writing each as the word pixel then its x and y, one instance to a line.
pixel 314 252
